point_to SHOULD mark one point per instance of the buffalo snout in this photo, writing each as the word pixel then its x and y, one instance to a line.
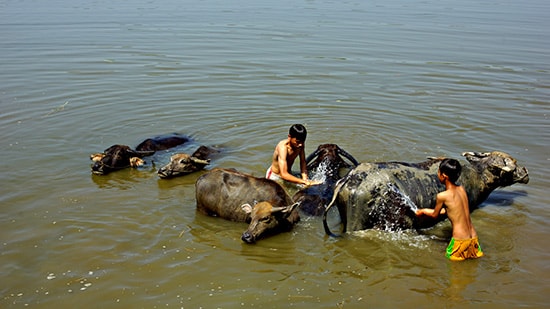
pixel 248 238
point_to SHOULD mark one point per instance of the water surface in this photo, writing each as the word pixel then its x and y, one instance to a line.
pixel 385 80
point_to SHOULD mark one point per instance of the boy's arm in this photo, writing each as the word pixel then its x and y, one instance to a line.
pixel 303 164
pixel 438 209
pixel 283 166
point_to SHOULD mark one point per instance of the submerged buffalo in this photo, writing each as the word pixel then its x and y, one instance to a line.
pixel 183 164
pixel 118 157
pixel 386 195
pixel 162 142
pixel 326 164
pixel 115 158
pixel 241 197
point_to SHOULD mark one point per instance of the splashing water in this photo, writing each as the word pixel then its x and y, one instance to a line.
pixel 321 172
pixel 404 197
pixel 401 239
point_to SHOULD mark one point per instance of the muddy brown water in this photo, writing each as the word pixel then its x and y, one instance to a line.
pixel 385 80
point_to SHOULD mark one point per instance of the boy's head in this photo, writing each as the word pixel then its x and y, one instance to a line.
pixel 298 131
pixel 451 168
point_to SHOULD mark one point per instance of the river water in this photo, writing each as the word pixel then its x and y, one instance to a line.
pixel 385 80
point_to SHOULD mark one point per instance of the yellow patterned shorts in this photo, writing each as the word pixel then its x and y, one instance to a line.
pixel 461 249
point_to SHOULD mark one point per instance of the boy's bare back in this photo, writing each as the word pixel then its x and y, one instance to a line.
pixel 455 200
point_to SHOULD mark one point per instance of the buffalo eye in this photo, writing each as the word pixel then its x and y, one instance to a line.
pixel 266 219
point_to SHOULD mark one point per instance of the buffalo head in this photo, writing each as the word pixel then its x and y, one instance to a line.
pixel 116 157
pixel 328 159
pixel 266 219
pixel 499 168
pixel 325 164
pixel 182 164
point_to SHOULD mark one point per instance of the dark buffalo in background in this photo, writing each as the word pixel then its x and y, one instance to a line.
pixel 326 164
pixel 118 157
pixel 162 142
pixel 115 158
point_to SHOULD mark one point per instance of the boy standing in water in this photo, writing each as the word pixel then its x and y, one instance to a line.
pixel 464 243
pixel 284 155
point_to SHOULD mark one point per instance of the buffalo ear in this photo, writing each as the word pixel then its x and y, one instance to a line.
pixel 246 208
pixel 136 162
pixel 97 157
pixel 510 165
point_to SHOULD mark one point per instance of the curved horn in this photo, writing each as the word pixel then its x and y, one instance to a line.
pixel 285 209
pixel 200 161
pixel 292 207
pixel 343 216
pixel 312 155
pixel 348 156
pixel 476 154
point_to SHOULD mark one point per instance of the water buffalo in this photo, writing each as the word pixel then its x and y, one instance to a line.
pixel 118 157
pixel 115 158
pixel 162 142
pixel 183 164
pixel 229 194
pixel 386 195
pixel 327 167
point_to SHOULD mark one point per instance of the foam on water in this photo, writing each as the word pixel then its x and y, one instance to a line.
pixel 402 239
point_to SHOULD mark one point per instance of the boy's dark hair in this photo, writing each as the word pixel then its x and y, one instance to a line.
pixel 451 168
pixel 298 131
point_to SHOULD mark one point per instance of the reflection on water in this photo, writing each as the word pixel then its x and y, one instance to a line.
pixel 461 275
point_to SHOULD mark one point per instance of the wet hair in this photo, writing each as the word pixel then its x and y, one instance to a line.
pixel 451 168
pixel 298 131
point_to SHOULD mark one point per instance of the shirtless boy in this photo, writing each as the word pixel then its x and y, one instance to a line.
pixel 286 153
pixel 454 202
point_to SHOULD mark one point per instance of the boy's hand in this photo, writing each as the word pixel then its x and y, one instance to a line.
pixel 310 183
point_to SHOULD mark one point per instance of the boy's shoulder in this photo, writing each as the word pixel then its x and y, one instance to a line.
pixel 444 195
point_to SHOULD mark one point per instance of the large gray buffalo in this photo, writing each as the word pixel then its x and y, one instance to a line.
pixel 386 195
pixel 241 197
pixel 326 164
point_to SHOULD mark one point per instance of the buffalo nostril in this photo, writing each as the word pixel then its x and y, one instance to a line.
pixel 247 237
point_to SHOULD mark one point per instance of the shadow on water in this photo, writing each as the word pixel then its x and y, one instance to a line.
pixel 503 198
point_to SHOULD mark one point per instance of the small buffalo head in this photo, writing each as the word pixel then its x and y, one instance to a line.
pixel 182 164
pixel 499 168
pixel 116 157
pixel 328 159
pixel 265 219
